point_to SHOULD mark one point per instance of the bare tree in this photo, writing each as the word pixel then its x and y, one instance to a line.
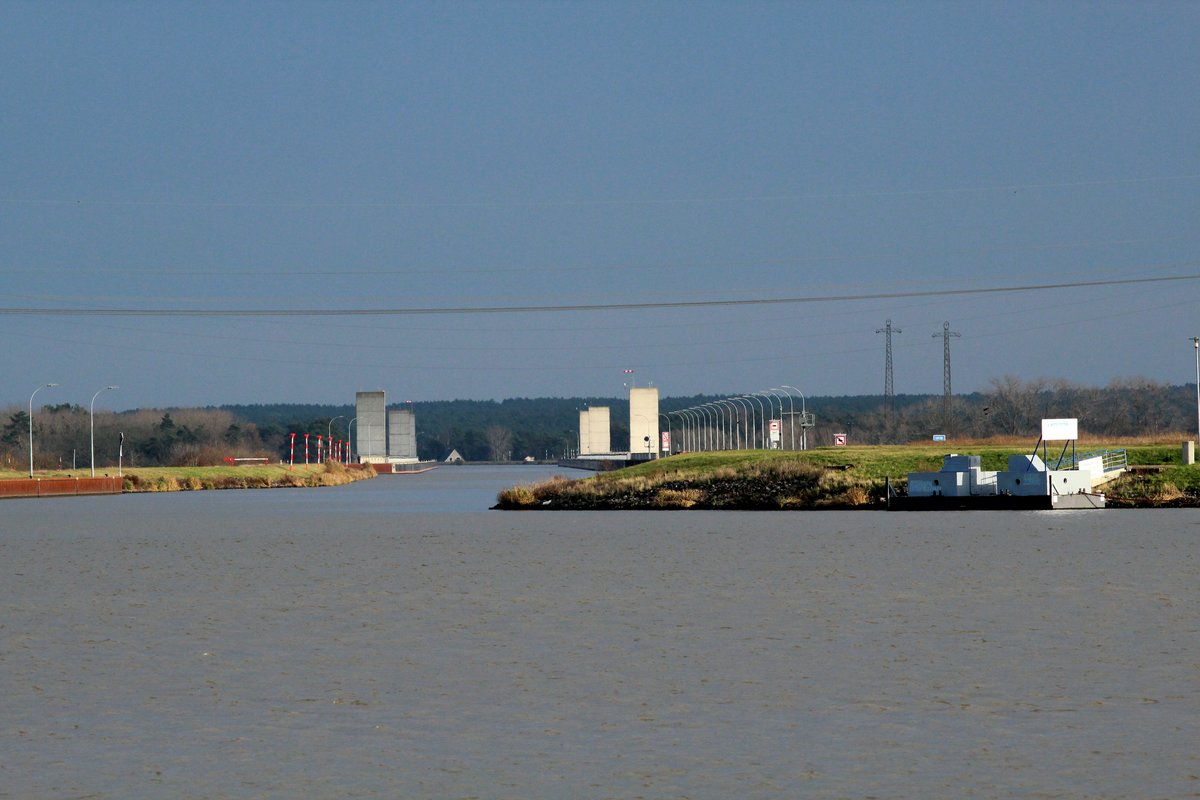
pixel 1016 406
pixel 499 441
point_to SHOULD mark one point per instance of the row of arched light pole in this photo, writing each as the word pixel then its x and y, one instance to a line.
pixel 91 423
pixel 717 425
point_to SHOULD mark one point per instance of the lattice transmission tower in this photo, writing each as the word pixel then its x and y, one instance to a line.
pixel 946 334
pixel 889 392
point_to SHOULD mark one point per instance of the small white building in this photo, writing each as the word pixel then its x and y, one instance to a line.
pixel 1027 483
pixel 1026 476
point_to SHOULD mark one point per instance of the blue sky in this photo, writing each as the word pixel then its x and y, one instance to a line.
pixel 417 156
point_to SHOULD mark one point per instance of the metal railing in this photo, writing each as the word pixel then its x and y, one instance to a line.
pixel 1111 459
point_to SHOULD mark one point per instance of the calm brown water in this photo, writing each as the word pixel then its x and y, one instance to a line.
pixel 371 641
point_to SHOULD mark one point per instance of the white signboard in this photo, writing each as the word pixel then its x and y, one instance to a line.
pixel 1060 430
pixel 839 440
pixel 666 442
pixel 774 429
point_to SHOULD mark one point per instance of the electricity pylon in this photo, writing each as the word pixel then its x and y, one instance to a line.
pixel 946 334
pixel 889 393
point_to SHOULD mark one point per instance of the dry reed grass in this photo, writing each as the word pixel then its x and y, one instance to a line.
pixel 677 498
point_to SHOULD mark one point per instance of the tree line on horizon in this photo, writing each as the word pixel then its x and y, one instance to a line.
pixel 547 428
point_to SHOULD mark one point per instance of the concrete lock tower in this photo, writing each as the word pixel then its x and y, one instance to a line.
pixel 643 423
pixel 386 436
pixel 594 431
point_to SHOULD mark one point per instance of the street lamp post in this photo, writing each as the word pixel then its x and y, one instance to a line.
pixel 757 397
pixel 350 439
pixel 705 418
pixel 770 414
pixel 750 423
pixel 731 423
pixel 329 432
pixel 682 432
pixel 722 439
pixel 762 417
pixel 791 413
pixel 709 423
pixel 744 406
pixel 729 435
pixel 92 422
pixel 1196 345
pixel 35 391
pixel 780 399
pixel 803 416
pixel 706 436
pixel 689 425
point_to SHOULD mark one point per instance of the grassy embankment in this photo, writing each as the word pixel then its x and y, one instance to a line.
pixel 176 479
pixel 829 478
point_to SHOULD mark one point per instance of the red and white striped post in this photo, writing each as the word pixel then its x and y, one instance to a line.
pixel 306 451
pixel 292 454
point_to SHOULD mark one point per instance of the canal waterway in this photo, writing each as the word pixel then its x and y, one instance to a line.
pixel 393 638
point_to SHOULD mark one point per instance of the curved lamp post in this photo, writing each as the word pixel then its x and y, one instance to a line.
pixel 719 415
pixel 329 432
pixel 791 414
pixel 722 437
pixel 1196 346
pixel 349 438
pixel 727 421
pixel 92 422
pixel 685 423
pixel 672 441
pixel 768 415
pixel 701 427
pixel 747 398
pixel 719 410
pixel 762 418
pixel 780 399
pixel 735 429
pixel 35 391
pixel 711 423
pixel 731 437
pixel 744 406
pixel 691 435
pixel 710 420
pixel 759 397
pixel 803 417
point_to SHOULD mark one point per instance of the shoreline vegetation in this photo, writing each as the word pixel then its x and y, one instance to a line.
pixel 183 479
pixel 830 478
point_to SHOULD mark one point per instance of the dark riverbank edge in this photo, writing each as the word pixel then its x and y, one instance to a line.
pixel 717 494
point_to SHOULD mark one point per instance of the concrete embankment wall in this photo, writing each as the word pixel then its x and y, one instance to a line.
pixel 58 487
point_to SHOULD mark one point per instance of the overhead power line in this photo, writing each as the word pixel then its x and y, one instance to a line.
pixel 592 202
pixel 395 312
